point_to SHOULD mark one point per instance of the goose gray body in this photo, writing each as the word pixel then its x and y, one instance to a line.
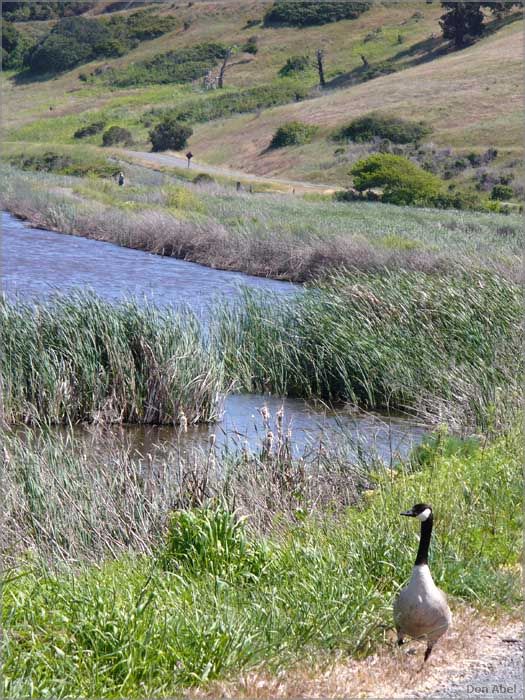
pixel 421 610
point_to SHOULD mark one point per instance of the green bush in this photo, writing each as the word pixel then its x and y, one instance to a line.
pixel 293 134
pixel 375 125
pixel 180 66
pixel 29 11
pixel 169 134
pixel 295 64
pixel 502 193
pixel 203 179
pixel 224 103
pixel 89 130
pixel 116 134
pixel 402 181
pixel 78 164
pixel 293 13
pixel 76 40
pixel 15 46
pixel 72 41
pixel 212 540
pixel 251 45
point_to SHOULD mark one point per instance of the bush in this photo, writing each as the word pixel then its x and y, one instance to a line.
pixel 375 125
pixel 295 64
pixel 89 130
pixel 116 134
pixel 293 134
pixel 203 179
pixel 212 541
pixel 72 41
pixel 75 40
pixel 402 181
pixel 169 134
pixel 15 46
pixel 224 103
pixel 502 192
pixel 181 66
pixel 251 45
pixel 291 13
pixel 29 11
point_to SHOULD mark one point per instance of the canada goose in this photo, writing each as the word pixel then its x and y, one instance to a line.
pixel 421 609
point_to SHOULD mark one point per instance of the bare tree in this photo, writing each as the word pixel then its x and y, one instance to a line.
pixel 320 58
pixel 229 52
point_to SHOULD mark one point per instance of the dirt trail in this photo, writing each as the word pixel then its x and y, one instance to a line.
pixel 175 160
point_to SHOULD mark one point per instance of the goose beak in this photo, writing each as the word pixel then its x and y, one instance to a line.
pixel 408 513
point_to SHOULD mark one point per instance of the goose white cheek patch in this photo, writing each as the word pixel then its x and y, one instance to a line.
pixel 424 515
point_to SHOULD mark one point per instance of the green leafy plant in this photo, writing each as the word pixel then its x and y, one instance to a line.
pixel 298 13
pixel 116 134
pixel 170 134
pixel 293 134
pixel 401 181
pixel 384 126
pixel 502 192
pixel 295 64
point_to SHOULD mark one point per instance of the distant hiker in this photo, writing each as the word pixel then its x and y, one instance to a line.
pixel 189 156
pixel 121 178
pixel 238 186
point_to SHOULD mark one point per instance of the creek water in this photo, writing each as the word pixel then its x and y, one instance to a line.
pixel 37 263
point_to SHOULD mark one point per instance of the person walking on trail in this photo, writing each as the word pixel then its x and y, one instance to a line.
pixel 189 156
pixel 121 178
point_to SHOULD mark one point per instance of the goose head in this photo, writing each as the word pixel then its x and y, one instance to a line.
pixel 421 511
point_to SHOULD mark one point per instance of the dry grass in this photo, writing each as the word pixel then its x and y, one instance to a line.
pixel 472 98
pixel 390 673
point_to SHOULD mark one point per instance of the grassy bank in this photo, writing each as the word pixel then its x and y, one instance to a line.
pixel 279 236
pixel 215 599
pixel 79 358
pixel 444 346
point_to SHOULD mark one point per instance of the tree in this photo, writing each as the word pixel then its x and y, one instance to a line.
pixel 229 53
pixel 320 56
pixel 14 47
pixel 402 181
pixel 170 134
pixel 462 22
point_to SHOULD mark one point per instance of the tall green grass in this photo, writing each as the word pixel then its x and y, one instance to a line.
pixel 445 346
pixel 215 600
pixel 79 358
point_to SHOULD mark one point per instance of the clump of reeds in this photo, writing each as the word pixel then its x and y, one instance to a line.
pixel 70 498
pixel 445 346
pixel 80 358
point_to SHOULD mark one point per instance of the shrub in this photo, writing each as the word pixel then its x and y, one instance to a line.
pixel 29 11
pixel 223 104
pixel 89 130
pixel 375 125
pixel 72 41
pixel 212 540
pixel 293 134
pixel 15 46
pixel 170 134
pixel 116 134
pixel 203 179
pixel 295 64
pixel 75 40
pixel 251 45
pixel 301 14
pixel 402 181
pixel 183 199
pixel 181 66
pixel 502 192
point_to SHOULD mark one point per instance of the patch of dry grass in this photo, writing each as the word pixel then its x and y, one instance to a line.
pixel 390 673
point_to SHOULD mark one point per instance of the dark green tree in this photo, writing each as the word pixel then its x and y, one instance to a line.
pixel 170 134
pixel 462 22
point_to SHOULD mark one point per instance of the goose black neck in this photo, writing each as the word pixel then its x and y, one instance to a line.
pixel 424 541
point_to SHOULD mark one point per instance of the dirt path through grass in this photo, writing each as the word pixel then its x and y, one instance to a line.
pixel 174 160
pixel 477 658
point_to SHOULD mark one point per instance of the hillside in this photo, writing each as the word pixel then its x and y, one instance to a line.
pixel 473 99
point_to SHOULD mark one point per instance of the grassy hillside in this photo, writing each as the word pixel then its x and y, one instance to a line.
pixel 473 99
